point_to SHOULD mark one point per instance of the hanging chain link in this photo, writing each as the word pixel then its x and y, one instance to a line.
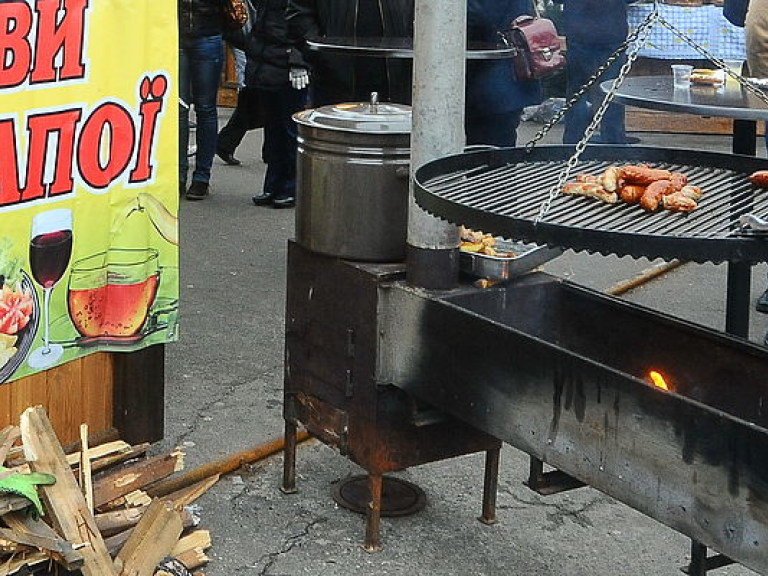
pixel 632 45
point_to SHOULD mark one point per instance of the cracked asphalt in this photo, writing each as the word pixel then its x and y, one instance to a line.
pixel 224 395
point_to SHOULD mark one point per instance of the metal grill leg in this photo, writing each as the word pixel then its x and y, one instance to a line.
pixel 490 486
pixel 546 483
pixel 373 514
pixel 289 458
pixel 701 563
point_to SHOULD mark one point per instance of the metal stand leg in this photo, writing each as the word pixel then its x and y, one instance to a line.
pixel 490 486
pixel 739 285
pixel 701 563
pixel 373 514
pixel 546 483
pixel 289 459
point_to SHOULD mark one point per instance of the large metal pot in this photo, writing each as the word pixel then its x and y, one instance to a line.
pixel 352 181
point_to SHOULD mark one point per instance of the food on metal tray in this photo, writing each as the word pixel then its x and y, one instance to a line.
pixel 759 178
pixel 639 184
pixel 476 242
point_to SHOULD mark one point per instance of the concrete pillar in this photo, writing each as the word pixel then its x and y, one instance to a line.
pixel 438 130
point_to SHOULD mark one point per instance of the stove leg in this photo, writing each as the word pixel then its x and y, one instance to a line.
pixel 490 486
pixel 737 306
pixel 547 483
pixel 289 458
pixel 698 565
pixel 373 514
pixel 701 563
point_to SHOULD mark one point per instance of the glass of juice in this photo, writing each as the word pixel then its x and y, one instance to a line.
pixel 111 293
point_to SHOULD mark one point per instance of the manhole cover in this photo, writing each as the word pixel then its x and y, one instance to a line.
pixel 398 497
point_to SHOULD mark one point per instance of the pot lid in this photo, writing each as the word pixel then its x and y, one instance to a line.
pixel 362 117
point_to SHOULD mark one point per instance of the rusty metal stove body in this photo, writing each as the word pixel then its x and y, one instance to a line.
pixel 334 346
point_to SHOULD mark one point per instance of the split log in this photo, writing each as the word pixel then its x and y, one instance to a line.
pixel 38 534
pixel 153 538
pixel 186 496
pixel 15 564
pixel 195 539
pixel 8 436
pixel 64 502
pixel 10 503
pixel 132 477
pixel 193 558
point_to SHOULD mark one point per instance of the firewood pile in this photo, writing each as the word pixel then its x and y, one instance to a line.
pixel 105 510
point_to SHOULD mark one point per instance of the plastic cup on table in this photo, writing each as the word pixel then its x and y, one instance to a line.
pixel 681 74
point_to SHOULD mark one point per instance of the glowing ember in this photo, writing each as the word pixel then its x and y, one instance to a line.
pixel 658 380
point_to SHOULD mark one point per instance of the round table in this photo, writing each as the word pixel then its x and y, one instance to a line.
pixel 728 101
pixel 399 48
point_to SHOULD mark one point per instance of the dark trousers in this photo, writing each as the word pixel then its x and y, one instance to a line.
pixel 583 60
pixel 279 149
pixel 246 116
pixel 493 129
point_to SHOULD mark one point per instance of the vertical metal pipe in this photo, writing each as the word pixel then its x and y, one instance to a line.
pixel 440 33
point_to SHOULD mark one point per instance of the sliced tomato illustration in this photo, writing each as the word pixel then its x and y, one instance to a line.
pixel 16 307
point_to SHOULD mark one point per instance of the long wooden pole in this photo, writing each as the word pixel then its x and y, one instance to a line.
pixel 222 466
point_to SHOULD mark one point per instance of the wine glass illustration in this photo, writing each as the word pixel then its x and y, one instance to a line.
pixel 49 252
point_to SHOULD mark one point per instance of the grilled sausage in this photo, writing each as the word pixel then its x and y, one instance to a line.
pixel 678 180
pixel 651 198
pixel 643 174
pixel 591 191
pixel 611 178
pixel 692 192
pixel 759 178
pixel 631 193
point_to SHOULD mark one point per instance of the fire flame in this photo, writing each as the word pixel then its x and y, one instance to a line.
pixel 658 380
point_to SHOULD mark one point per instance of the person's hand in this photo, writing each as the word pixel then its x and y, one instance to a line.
pixel 299 78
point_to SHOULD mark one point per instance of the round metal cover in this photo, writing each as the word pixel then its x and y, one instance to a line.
pixel 398 497
pixel 359 117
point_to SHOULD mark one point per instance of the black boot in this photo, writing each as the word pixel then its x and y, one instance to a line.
pixel 197 190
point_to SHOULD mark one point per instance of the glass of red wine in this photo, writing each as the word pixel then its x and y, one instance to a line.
pixel 49 252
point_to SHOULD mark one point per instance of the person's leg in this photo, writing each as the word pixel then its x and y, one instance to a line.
pixel 185 97
pixel 493 129
pixel 234 131
pixel 578 71
pixel 206 65
pixel 291 101
pixel 613 125
pixel 270 102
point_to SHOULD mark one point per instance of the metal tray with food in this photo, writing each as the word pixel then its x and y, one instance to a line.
pixel 512 260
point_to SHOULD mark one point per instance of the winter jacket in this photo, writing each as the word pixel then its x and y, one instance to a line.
pixel 198 18
pixel 270 53
pixel 491 84
pixel 333 74
pixel 602 22
pixel 735 11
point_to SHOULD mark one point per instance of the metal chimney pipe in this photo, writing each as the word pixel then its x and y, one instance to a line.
pixel 440 39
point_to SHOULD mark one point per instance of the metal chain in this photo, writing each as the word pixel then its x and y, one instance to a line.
pixel 632 45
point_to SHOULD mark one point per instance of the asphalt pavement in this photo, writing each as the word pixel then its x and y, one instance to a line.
pixel 224 395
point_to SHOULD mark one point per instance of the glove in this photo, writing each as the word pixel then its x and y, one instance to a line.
pixel 299 78
pixel 26 485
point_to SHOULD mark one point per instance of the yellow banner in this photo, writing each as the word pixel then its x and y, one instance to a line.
pixel 88 179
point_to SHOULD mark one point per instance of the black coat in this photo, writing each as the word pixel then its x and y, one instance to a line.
pixel 333 74
pixel 270 53
pixel 491 84
pixel 735 11
pixel 198 18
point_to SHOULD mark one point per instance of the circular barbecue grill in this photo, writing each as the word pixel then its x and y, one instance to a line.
pixel 501 192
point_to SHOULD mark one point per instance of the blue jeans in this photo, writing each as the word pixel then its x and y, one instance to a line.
pixel 200 64
pixel 583 60
pixel 279 149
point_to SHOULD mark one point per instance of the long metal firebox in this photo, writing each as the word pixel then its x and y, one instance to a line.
pixel 561 373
